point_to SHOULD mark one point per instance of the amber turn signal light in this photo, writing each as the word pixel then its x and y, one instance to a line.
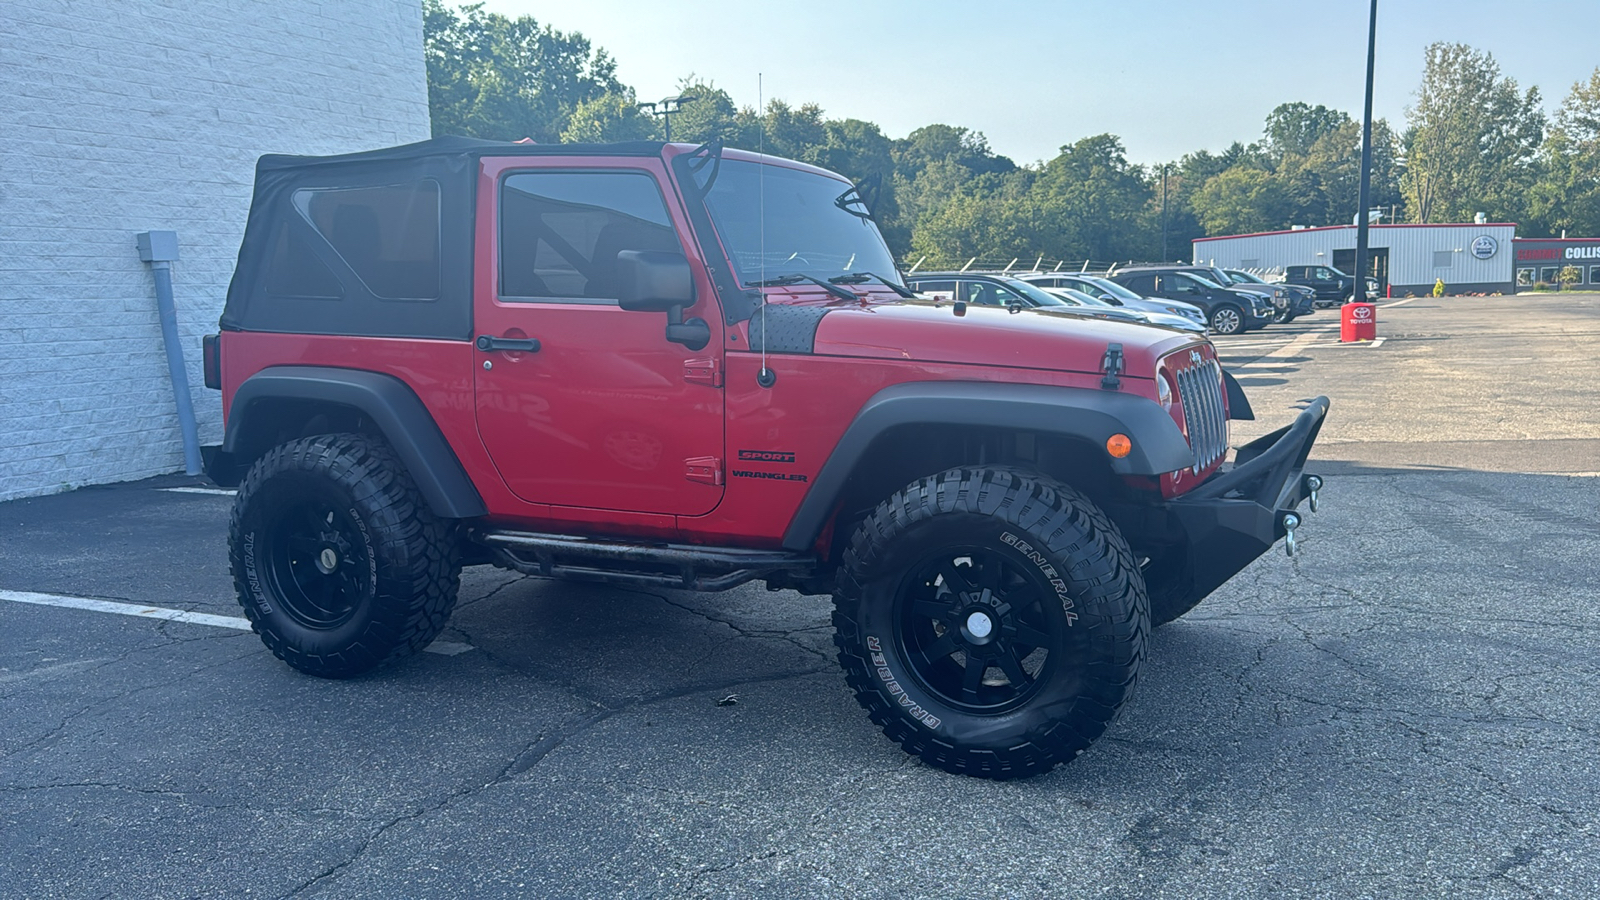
pixel 1119 446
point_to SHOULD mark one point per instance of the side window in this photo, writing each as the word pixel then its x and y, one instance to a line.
pixel 388 236
pixel 1181 285
pixel 560 232
pixel 982 293
pixel 940 290
pixel 1324 274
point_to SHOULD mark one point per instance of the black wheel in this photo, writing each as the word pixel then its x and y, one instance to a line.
pixel 992 621
pixel 339 564
pixel 1227 319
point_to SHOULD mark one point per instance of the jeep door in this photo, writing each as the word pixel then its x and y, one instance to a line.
pixel 606 413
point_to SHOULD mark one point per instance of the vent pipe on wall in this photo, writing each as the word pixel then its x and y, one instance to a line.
pixel 160 250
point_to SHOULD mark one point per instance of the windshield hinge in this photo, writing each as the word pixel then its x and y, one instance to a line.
pixel 706 371
pixel 1112 366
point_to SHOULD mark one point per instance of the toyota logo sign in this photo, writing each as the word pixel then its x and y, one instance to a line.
pixel 1362 311
pixel 1484 246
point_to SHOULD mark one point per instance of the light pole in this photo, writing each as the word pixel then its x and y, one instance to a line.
pixel 666 109
pixel 1359 276
pixel 1163 212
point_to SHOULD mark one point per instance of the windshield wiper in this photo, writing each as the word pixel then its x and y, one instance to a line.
pixel 796 278
pixel 860 277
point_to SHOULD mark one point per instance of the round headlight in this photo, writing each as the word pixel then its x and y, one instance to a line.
pixel 1163 391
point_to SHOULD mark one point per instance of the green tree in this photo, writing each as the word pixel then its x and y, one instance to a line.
pixel 610 117
pixel 1294 128
pixel 1242 199
pixel 1089 201
pixel 1472 139
pixel 1567 196
pixel 708 113
pixel 494 77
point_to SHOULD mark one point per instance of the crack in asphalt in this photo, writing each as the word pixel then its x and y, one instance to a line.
pixel 104 702
pixel 779 634
pixel 534 753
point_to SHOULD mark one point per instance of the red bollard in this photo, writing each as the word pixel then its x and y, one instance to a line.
pixel 1358 322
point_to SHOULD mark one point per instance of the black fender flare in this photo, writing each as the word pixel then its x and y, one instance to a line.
pixel 392 406
pixel 1092 415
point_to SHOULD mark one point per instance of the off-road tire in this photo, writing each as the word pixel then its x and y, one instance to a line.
pixel 1228 319
pixel 394 573
pixel 1053 548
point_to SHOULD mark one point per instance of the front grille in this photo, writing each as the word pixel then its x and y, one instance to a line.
pixel 1200 391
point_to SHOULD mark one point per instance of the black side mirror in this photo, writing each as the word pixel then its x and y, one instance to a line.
pixel 660 281
pixel 653 280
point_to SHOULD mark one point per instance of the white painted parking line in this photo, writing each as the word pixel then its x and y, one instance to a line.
pixel 1288 349
pixel 221 492
pixel 127 609
pixel 237 623
pixel 1373 344
pixel 1399 303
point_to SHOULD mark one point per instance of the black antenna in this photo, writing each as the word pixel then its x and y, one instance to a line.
pixel 766 377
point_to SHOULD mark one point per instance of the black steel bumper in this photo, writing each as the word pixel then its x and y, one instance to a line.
pixel 1239 513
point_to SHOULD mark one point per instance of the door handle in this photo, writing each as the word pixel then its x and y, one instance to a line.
pixel 526 345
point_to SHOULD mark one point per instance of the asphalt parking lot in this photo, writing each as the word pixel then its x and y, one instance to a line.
pixel 1407 708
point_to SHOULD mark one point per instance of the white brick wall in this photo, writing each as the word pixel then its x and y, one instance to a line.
pixel 121 116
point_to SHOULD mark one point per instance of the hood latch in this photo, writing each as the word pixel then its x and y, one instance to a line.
pixel 1112 366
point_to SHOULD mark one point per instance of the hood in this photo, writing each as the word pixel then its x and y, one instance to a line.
pixel 994 336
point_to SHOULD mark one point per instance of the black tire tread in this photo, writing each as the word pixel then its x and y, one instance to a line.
pixel 1115 608
pixel 417 595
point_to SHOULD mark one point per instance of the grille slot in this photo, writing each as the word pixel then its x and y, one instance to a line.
pixel 1200 392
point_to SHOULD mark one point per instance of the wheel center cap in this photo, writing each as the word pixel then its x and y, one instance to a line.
pixel 979 625
pixel 328 560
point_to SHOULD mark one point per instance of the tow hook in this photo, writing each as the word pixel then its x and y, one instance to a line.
pixel 1290 523
pixel 1313 484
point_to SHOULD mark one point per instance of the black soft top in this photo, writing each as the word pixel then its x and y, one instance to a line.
pixel 452 145
pixel 376 243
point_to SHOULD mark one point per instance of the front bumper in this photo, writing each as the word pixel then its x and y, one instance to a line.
pixel 1240 512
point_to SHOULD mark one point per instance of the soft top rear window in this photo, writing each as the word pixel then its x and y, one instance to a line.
pixel 388 235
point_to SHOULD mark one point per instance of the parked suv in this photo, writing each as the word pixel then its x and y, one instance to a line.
pixel 1332 287
pixel 615 363
pixel 1279 296
pixel 1228 311
pixel 1302 300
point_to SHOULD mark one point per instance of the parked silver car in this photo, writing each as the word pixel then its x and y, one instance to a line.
pixel 1116 295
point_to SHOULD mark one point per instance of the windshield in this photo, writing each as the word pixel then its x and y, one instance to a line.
pixel 807 233
pixel 1085 298
pixel 1111 287
pixel 1243 277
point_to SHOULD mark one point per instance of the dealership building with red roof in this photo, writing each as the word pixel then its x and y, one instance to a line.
pixel 1470 258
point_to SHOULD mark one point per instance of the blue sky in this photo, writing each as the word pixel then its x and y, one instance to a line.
pixel 1167 77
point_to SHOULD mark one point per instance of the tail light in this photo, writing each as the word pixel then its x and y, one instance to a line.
pixel 212 344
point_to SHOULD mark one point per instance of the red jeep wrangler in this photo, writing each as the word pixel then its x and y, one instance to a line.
pixel 657 364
